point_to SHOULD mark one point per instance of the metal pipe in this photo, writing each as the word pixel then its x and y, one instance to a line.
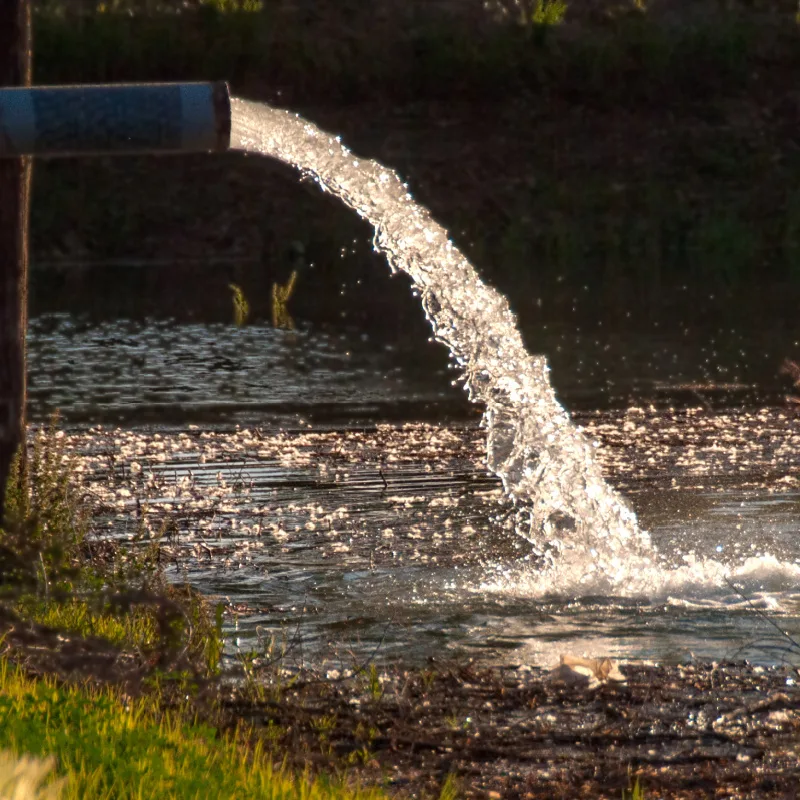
pixel 114 119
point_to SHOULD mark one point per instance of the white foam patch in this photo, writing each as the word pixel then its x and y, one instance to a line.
pixel 759 582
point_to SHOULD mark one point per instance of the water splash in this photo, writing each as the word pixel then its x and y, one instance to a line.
pixel 547 465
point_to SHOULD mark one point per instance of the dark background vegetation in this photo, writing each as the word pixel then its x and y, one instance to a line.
pixel 637 151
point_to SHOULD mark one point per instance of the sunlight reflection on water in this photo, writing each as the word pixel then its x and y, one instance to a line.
pixel 392 537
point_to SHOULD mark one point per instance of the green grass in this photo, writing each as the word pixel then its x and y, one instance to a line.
pixel 136 629
pixel 450 788
pixel 636 792
pixel 110 746
pixel 547 12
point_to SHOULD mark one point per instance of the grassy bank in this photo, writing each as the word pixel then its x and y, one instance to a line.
pixel 607 53
pixel 106 744
pixel 58 577
pixel 107 670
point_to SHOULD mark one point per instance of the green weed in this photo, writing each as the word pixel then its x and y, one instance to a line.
pixel 636 792
pixel 234 6
pixel 324 724
pixel 273 733
pixel 45 523
pixel 374 685
pixel 281 318
pixel 427 679
pixel 241 308
pixel 450 788
pixel 360 757
pixel 548 12
pixel 456 723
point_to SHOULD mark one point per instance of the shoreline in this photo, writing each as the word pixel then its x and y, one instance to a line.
pixel 696 730
pixel 700 729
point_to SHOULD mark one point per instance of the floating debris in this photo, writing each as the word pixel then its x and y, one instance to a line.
pixel 586 672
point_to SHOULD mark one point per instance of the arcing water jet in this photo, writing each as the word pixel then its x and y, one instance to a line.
pixel 548 467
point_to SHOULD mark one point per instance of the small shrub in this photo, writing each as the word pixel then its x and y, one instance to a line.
pixel 54 575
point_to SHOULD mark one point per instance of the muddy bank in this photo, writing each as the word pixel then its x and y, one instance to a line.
pixel 699 730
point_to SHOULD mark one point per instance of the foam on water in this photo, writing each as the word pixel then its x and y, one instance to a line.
pixel 587 536
pixel 757 582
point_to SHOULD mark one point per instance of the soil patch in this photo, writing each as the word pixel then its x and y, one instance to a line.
pixel 699 730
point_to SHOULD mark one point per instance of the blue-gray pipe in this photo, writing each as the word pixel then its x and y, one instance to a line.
pixel 114 119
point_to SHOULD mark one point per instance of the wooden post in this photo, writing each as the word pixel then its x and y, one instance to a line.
pixel 15 177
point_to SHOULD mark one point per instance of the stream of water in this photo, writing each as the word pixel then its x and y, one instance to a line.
pixel 546 464
pixel 586 535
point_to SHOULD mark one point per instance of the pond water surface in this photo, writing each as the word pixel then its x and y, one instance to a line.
pixel 330 487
